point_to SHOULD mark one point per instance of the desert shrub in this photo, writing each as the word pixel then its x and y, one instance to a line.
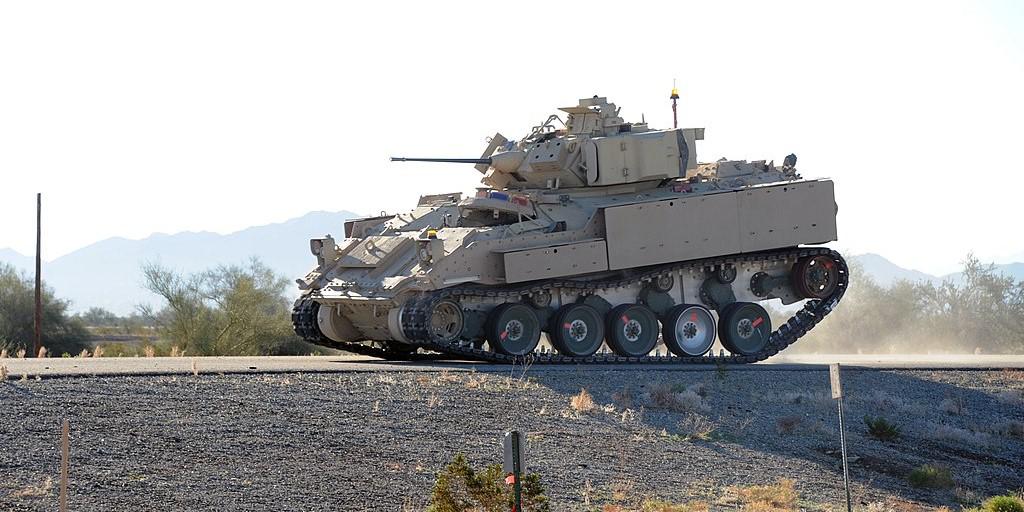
pixel 881 429
pixel 1003 504
pixel 931 476
pixel 460 488
pixel 61 332
pixel 787 424
pixel 229 310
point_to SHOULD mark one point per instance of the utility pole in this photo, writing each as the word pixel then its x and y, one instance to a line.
pixel 674 97
pixel 38 341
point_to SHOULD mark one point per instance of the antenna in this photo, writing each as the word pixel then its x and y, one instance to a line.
pixel 674 97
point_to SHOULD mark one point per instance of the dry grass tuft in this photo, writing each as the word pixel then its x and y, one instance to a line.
pixel 781 496
pixel 98 351
pixel 665 506
pixel 3 353
pixel 176 352
pixel 696 426
pixel 149 351
pixel 35 491
pixel 960 436
pixel 624 397
pixel 3 373
pixel 195 368
pixel 84 353
pixel 475 382
pixel 954 406
pixel 42 352
pixel 582 402
pixel 664 396
pixel 433 401
pixel 20 353
pixel 788 424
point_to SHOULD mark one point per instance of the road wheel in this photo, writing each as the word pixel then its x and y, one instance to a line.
pixel 577 330
pixel 513 329
pixel 815 277
pixel 447 321
pixel 744 328
pixel 632 330
pixel 688 330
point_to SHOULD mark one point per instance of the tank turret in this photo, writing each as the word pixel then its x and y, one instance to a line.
pixel 593 146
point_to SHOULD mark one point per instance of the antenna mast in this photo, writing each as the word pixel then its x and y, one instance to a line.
pixel 674 97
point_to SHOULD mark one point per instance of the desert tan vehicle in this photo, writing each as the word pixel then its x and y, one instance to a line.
pixel 592 239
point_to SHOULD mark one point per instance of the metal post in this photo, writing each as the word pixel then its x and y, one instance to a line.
pixel 837 393
pixel 846 471
pixel 64 461
pixel 38 340
pixel 516 471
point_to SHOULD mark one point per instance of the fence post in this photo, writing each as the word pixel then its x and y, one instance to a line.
pixel 837 394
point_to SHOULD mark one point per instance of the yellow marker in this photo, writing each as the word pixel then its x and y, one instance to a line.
pixel 431 233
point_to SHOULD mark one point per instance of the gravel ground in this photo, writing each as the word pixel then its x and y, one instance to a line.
pixel 374 441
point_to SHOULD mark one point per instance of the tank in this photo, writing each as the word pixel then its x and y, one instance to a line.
pixel 591 240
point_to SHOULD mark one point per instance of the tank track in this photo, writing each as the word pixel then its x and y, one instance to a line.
pixel 304 314
pixel 415 316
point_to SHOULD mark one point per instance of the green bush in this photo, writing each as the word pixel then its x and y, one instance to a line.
pixel 459 488
pixel 931 476
pixel 1003 504
pixel 881 429
pixel 61 332
pixel 228 310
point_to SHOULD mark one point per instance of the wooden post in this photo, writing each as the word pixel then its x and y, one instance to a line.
pixel 38 341
pixel 65 449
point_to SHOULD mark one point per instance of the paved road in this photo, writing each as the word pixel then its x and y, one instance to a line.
pixel 52 367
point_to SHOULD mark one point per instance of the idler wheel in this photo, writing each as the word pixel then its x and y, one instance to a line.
pixel 446 321
pixel 577 330
pixel 513 329
pixel 744 328
pixel 815 277
pixel 632 330
pixel 688 330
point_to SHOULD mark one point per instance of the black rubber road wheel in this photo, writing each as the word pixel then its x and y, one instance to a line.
pixel 744 328
pixel 577 330
pixel 688 330
pixel 815 277
pixel 513 329
pixel 632 330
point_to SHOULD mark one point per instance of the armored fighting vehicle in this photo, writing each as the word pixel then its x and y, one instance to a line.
pixel 591 240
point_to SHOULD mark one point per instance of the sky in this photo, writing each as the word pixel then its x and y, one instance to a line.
pixel 140 117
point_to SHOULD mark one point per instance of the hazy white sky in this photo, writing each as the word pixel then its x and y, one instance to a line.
pixel 140 117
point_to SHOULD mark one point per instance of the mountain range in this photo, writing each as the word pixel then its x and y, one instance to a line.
pixel 108 273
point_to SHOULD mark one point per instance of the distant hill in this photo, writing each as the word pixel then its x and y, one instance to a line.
pixel 20 261
pixel 108 273
pixel 885 272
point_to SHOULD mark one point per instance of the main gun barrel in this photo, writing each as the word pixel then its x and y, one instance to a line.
pixel 485 161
